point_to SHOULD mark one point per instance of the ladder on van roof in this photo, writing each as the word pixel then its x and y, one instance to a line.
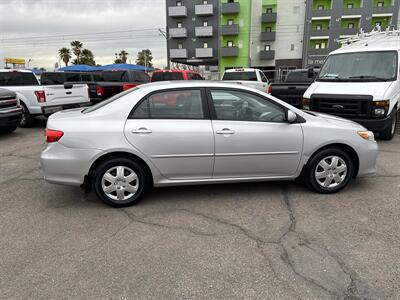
pixel 374 36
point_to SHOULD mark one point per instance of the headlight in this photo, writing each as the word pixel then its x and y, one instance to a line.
pixel 306 103
pixel 367 135
pixel 380 108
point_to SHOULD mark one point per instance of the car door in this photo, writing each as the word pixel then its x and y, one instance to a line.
pixel 173 129
pixel 252 137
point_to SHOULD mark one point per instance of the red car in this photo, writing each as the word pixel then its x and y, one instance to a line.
pixel 167 75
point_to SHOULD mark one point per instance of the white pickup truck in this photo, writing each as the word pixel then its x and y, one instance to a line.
pixel 254 78
pixel 38 100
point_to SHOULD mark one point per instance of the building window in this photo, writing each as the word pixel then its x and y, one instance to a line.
pixel 291 47
pixel 179 24
pixel 321 7
pixel 205 23
pixel 380 4
pixel 269 10
pixel 231 1
pixel 267 47
pixel 296 10
pixel 318 27
pixel 350 5
pixel 229 44
pixel 350 25
pixel 205 45
pixel 205 1
pixel 378 23
pixel 268 29
pixel 180 46
pixel 178 3
pixel 230 22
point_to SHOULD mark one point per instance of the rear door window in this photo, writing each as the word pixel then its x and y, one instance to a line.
pixel 245 76
pixel 179 104
pixel 17 79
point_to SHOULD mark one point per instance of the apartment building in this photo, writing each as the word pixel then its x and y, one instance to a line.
pixel 193 31
pixel 277 35
pixel 329 20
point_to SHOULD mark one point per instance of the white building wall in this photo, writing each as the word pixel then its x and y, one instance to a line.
pixel 289 31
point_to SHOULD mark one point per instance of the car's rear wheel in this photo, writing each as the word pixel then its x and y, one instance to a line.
pixel 390 131
pixel 329 171
pixel 120 182
pixel 26 119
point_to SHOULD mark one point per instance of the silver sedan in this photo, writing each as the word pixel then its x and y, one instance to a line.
pixel 181 133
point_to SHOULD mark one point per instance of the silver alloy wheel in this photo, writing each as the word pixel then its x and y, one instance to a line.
pixel 331 171
pixel 120 183
pixel 23 117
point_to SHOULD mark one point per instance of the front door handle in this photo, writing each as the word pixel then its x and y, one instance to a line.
pixel 142 130
pixel 225 131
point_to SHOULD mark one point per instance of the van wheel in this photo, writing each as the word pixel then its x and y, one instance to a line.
pixel 26 119
pixel 120 182
pixel 329 171
pixel 389 132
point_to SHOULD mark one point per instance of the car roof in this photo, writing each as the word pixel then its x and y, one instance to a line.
pixel 174 71
pixel 15 70
pixel 192 84
pixel 240 70
pixel 372 43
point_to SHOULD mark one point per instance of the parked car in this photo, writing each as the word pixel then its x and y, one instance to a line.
pixel 219 133
pixel 54 78
pixel 170 75
pixel 294 87
pixel 253 78
pixel 38 100
pixel 360 81
pixel 10 111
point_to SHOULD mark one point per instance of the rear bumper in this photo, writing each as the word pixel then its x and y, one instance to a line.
pixel 375 125
pixel 10 117
pixel 48 110
pixel 66 166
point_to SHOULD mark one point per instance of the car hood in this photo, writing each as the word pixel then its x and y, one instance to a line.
pixel 376 89
pixel 340 122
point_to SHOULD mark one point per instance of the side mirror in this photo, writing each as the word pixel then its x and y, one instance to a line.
pixel 291 116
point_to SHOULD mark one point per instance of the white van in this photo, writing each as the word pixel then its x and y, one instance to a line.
pixel 361 81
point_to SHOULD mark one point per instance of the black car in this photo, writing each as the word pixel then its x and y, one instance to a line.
pixel 10 111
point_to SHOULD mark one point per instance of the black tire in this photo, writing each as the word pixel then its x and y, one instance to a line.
pixel 143 182
pixel 8 129
pixel 313 166
pixel 27 120
pixel 390 131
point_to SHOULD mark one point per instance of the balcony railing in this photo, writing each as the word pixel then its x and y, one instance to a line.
pixel 383 10
pixel 177 11
pixel 205 31
pixel 230 29
pixel 204 10
pixel 323 51
pixel 352 11
pixel 349 31
pixel 177 33
pixel 268 36
pixel 268 17
pixel 204 52
pixel 230 8
pixel 321 32
pixel 267 54
pixel 229 51
pixel 321 13
pixel 178 53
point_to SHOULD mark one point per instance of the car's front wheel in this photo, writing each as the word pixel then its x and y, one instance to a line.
pixel 390 131
pixel 329 171
pixel 120 182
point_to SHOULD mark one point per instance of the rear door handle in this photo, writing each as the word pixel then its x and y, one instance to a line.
pixel 225 131
pixel 142 130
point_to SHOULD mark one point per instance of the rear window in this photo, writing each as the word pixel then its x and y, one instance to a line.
pixel 299 77
pixel 17 79
pixel 140 77
pixel 246 76
pixel 194 76
pixel 52 78
pixel 112 76
pixel 167 76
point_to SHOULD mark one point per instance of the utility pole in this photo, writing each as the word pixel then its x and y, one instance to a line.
pixel 165 34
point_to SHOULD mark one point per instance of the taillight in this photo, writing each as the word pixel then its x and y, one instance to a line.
pixel 40 96
pixel 53 135
pixel 99 91
pixel 127 86
pixel 270 89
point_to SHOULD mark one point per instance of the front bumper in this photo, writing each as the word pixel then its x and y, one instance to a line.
pixel 48 110
pixel 375 125
pixel 66 166
pixel 10 117
pixel 367 152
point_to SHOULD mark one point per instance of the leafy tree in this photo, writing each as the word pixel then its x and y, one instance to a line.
pixel 65 55
pixel 121 58
pixel 77 50
pixel 144 58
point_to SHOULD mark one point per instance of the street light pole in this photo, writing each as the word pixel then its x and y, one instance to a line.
pixel 165 34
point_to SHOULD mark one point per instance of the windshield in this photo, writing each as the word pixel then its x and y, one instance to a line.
pixel 108 101
pixel 246 76
pixel 360 66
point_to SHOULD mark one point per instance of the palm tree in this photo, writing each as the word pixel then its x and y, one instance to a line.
pixel 123 56
pixel 65 55
pixel 87 57
pixel 77 49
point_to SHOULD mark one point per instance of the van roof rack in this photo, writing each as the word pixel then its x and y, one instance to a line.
pixel 377 34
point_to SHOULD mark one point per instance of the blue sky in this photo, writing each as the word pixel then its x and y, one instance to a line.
pixel 36 29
